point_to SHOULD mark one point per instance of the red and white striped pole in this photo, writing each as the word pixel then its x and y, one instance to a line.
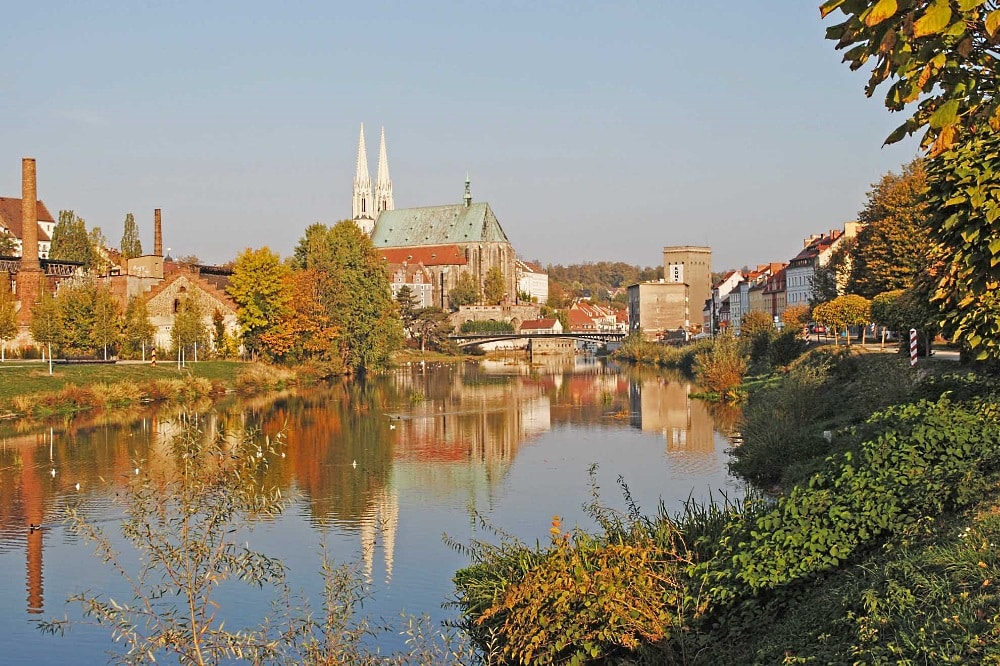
pixel 913 347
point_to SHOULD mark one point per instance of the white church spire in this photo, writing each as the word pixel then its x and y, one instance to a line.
pixel 383 184
pixel 364 213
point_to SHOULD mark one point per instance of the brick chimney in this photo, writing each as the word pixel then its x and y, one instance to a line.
pixel 157 234
pixel 29 276
pixel 29 216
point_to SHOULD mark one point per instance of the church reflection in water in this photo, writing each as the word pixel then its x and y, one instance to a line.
pixel 352 451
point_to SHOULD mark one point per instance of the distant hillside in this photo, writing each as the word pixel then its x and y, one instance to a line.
pixel 597 280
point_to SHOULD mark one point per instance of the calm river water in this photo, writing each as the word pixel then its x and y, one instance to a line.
pixel 380 471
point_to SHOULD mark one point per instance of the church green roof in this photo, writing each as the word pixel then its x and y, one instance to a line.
pixel 438 225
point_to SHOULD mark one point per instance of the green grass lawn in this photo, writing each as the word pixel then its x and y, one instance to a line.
pixel 25 377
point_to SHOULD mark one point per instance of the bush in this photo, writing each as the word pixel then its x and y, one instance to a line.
pixel 721 368
pixel 778 427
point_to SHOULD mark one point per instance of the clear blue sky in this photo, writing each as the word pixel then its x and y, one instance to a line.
pixel 596 131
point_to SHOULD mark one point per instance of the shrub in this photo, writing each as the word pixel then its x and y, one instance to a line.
pixel 778 427
pixel 721 368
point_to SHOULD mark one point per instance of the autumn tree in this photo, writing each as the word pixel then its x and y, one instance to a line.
pixel 70 241
pixel 939 58
pixel 130 245
pixel 260 288
pixel 137 330
pixel 308 331
pixel 796 316
pixel 892 247
pixel 465 291
pixel 494 286
pixel 843 312
pixel 8 319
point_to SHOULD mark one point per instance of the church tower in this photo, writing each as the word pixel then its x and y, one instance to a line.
pixel 383 184
pixel 364 211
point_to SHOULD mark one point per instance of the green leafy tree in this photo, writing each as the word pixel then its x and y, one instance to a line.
pixel 892 248
pixel 130 245
pixel 77 301
pixel 494 286
pixel 431 327
pixel 355 293
pixel 260 288
pixel 941 56
pixel 8 245
pixel 100 261
pixel 313 248
pixel 965 195
pixel 107 331
pixel 465 291
pixel 8 320
pixel 900 310
pixel 137 330
pixel 70 241
pixel 830 280
pixel 46 323
pixel 407 302
pixel 937 54
pixel 189 328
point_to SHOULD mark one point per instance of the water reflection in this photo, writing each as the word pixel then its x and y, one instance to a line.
pixel 360 457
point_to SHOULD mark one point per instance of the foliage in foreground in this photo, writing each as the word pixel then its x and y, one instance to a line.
pixel 727 578
pixel 940 56
pixel 190 521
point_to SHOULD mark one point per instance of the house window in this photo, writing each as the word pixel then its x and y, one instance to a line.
pixel 177 305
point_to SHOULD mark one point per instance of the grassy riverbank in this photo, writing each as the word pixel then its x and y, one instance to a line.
pixel 881 547
pixel 28 390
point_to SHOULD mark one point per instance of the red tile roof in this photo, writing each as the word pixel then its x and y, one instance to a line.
pixel 10 217
pixel 537 324
pixel 428 255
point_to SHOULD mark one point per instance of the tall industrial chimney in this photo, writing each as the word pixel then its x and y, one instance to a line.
pixel 29 216
pixel 157 234
pixel 29 277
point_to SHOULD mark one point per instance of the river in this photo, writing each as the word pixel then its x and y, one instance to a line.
pixel 379 470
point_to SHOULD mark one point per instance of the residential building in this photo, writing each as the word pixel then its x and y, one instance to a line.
pixel 774 294
pixel 586 317
pixel 547 326
pixel 816 252
pixel 11 211
pixel 533 281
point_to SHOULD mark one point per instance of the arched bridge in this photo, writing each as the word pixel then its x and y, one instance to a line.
pixel 472 339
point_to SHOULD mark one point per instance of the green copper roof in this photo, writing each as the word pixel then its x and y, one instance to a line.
pixel 438 225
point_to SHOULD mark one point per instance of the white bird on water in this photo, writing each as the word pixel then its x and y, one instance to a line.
pixel 354 464
pixel 53 472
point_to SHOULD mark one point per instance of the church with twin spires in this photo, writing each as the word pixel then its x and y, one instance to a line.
pixel 438 243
